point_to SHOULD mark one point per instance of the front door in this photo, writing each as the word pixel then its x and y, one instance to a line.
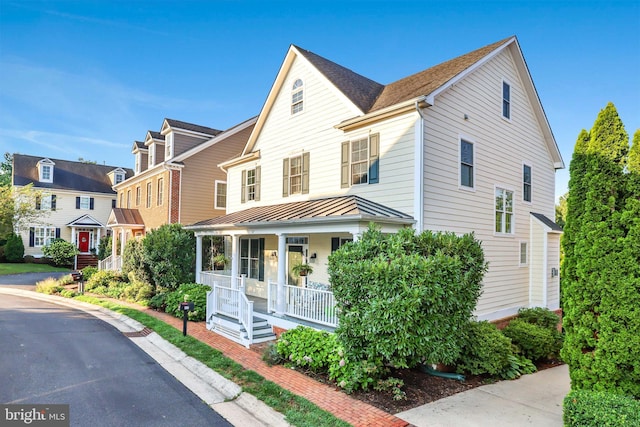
pixel 294 257
pixel 83 241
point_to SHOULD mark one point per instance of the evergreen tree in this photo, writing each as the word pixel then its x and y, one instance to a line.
pixel 600 302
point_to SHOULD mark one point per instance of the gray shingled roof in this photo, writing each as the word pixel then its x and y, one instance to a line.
pixel 343 207
pixel 546 221
pixel 67 175
pixel 361 90
pixel 156 135
pixel 192 127
pixel 370 96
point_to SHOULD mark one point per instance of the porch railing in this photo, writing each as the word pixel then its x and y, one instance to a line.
pixel 313 305
pixel 112 262
pixel 222 279
pixel 230 302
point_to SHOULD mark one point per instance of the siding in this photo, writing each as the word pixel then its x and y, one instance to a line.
pixel 182 143
pixel 501 147
pixel 155 216
pixel 538 268
pixel 553 284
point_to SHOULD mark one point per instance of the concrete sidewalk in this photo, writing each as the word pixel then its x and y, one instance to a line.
pixel 532 400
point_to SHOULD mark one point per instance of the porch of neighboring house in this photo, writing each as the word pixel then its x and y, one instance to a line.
pixel 264 245
pixel 125 224
pixel 85 234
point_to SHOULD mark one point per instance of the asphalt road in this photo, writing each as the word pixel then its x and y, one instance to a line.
pixel 52 354
pixel 27 281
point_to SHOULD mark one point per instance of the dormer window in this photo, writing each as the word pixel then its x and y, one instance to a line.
pixel 152 155
pixel 138 165
pixel 45 170
pixel 297 92
pixel 168 146
pixel 118 177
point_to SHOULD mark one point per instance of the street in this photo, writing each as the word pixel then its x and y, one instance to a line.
pixel 58 355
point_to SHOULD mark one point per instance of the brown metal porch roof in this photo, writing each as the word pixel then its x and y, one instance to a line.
pixel 125 217
pixel 343 207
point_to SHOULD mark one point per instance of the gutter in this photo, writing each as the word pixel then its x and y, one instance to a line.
pixel 418 197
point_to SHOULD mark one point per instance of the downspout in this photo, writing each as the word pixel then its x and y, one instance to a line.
pixel 418 195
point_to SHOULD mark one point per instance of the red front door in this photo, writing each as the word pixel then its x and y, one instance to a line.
pixel 83 241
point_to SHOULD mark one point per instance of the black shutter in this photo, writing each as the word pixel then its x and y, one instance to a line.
pixel 38 203
pixel 77 202
pixel 335 244
pixel 374 153
pixel 53 202
pixel 57 233
pixel 32 237
pixel 261 259
pixel 91 203
pixel 113 203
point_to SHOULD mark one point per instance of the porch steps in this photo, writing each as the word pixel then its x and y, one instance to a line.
pixel 235 331
pixel 86 260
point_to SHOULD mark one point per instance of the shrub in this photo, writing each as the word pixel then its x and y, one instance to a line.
pixel 485 350
pixel 104 247
pixel 307 347
pixel 101 278
pixel 136 290
pixel 48 286
pixel 29 259
pixel 115 289
pixel 88 272
pixel 61 252
pixel 14 248
pixel 271 356
pixel 133 261
pixel 159 301
pixel 406 298
pixel 534 342
pixel 67 279
pixel 67 293
pixel 169 251
pixel 585 408
pixel 540 316
pixel 196 293
pixel 352 375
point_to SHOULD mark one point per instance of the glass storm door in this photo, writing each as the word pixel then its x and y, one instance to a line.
pixel 294 257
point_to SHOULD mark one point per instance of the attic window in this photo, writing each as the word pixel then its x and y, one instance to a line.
pixel 506 100
pixel 297 96
pixel 118 177
pixel 45 170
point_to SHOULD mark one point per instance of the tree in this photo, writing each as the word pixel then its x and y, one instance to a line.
pixel 6 170
pixel 104 247
pixel 561 210
pixel 601 292
pixel 14 249
pixel 403 298
pixel 169 252
pixel 18 209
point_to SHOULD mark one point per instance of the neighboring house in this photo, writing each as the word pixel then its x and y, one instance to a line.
pixel 176 179
pixel 463 146
pixel 76 196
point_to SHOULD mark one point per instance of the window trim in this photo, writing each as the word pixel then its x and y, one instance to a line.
pixel 88 203
pixel 138 195
pixel 530 183
pixel 216 194
pixel 373 160
pixel 151 156
pixel 149 195
pixel 128 199
pixel 244 186
pixel 45 164
pixel 513 211
pixel 526 253
pixel 508 100
pixel 168 146
pixel 461 139
pixel 118 177
pixel 44 237
pixel 295 90
pixel 260 242
pixel 304 174
pixel 160 192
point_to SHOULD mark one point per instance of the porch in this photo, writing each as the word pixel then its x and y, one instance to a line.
pixel 250 319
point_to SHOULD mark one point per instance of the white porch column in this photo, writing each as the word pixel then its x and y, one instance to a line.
pixel 282 274
pixel 198 257
pixel 234 257
pixel 73 235
pixel 123 235
pixel 96 243
pixel 114 241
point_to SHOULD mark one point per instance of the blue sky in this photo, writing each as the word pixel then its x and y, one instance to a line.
pixel 87 78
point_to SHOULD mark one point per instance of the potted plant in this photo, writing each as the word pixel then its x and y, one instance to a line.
pixel 219 261
pixel 302 269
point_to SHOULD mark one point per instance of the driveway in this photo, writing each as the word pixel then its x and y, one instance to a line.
pixel 27 281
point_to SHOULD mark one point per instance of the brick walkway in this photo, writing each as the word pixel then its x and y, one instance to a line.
pixel 338 403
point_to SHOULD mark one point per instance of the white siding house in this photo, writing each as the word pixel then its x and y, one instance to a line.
pixel 463 146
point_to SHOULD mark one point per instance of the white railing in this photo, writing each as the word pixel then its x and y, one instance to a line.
pixel 230 302
pixel 112 262
pixel 313 305
pixel 211 277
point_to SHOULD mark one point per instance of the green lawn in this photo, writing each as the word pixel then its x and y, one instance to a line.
pixel 10 268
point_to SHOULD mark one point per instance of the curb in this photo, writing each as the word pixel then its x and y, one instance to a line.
pixel 222 395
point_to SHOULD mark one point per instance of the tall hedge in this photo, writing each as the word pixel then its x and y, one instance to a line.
pixel 405 298
pixel 14 248
pixel 601 301
pixel 170 253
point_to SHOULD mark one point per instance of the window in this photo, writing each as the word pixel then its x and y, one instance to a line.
pixel 297 92
pixel 526 183
pixel 504 211
pixel 138 165
pixel 149 195
pixel 138 195
pixel 45 170
pixel 467 172
pixel 121 200
pixel 250 185
pixel 337 242
pixel 118 177
pixel 85 202
pixel 523 254
pixel 359 161
pixel 220 197
pixel 252 258
pixel 42 236
pixel 168 146
pixel 128 199
pixel 160 191
pixel 295 175
pixel 506 100
pixel 152 155
pixel 46 202
pixel 46 173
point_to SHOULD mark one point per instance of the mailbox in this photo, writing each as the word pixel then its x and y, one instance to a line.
pixel 77 276
pixel 185 307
